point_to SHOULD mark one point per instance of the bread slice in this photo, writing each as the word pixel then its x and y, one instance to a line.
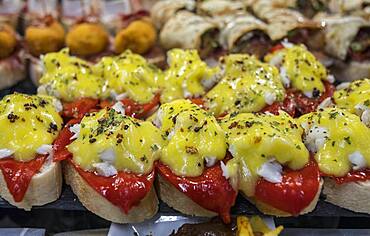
pixel 45 187
pixel 269 210
pixel 100 206
pixel 179 201
pixel 353 196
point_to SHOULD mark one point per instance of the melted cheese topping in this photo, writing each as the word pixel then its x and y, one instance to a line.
pixel 258 139
pixel 248 86
pixel 356 94
pixel 342 135
pixel 28 122
pixel 301 67
pixel 70 78
pixel 124 142
pixel 187 76
pixel 130 74
pixel 192 138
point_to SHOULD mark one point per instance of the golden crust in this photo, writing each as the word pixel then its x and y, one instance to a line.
pixel 8 41
pixel 140 36
pixel 41 40
pixel 87 39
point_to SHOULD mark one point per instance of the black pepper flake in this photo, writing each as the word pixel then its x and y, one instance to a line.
pixel 12 117
pixel 92 140
pixel 348 140
pixel 125 127
pixel 191 150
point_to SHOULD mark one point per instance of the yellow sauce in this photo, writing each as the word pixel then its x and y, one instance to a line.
pixel 135 144
pixel 186 76
pixel 70 78
pixel 304 71
pixel 27 122
pixel 255 139
pixel 246 86
pixel 345 135
pixel 358 93
pixel 131 74
pixel 192 136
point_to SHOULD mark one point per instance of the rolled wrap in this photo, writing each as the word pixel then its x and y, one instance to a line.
pixel 185 30
pixel 340 31
pixel 162 11
pixel 220 7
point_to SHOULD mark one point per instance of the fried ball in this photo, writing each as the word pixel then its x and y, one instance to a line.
pixel 44 39
pixel 8 41
pixel 139 37
pixel 87 39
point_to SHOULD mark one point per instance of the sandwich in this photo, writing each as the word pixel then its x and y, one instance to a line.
pixel 303 74
pixel 247 85
pixel 270 164
pixel 82 86
pixel 109 164
pixel 190 177
pixel 29 174
pixel 339 141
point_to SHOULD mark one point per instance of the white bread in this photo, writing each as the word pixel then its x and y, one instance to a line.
pixel 11 70
pixel 45 187
pixel 35 70
pixel 269 210
pixel 353 196
pixel 100 206
pixel 179 201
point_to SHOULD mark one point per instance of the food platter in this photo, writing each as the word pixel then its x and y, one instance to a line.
pixel 199 109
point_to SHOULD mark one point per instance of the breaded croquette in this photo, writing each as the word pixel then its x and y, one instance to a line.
pixel 140 36
pixel 87 39
pixel 8 41
pixel 44 39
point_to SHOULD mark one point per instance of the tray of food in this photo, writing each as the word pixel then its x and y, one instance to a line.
pixel 205 108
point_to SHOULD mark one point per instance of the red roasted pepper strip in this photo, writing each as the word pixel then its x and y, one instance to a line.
pixel 352 176
pixel 124 190
pixel 18 175
pixel 296 191
pixel 288 105
pixel 79 108
pixel 210 190
pixel 64 138
pixel 306 105
pixel 139 110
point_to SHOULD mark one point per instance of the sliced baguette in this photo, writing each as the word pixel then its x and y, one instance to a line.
pixel 100 206
pixel 179 201
pixel 45 187
pixel 353 196
pixel 269 210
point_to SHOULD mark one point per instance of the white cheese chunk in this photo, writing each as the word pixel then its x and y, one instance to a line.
pixel 315 138
pixel 5 152
pixel 358 160
pixel 75 129
pixel 108 156
pixel 118 107
pixel 105 169
pixel 210 161
pixel 271 171
pixel 270 98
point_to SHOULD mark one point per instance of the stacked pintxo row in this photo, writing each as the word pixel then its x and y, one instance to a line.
pixel 278 132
